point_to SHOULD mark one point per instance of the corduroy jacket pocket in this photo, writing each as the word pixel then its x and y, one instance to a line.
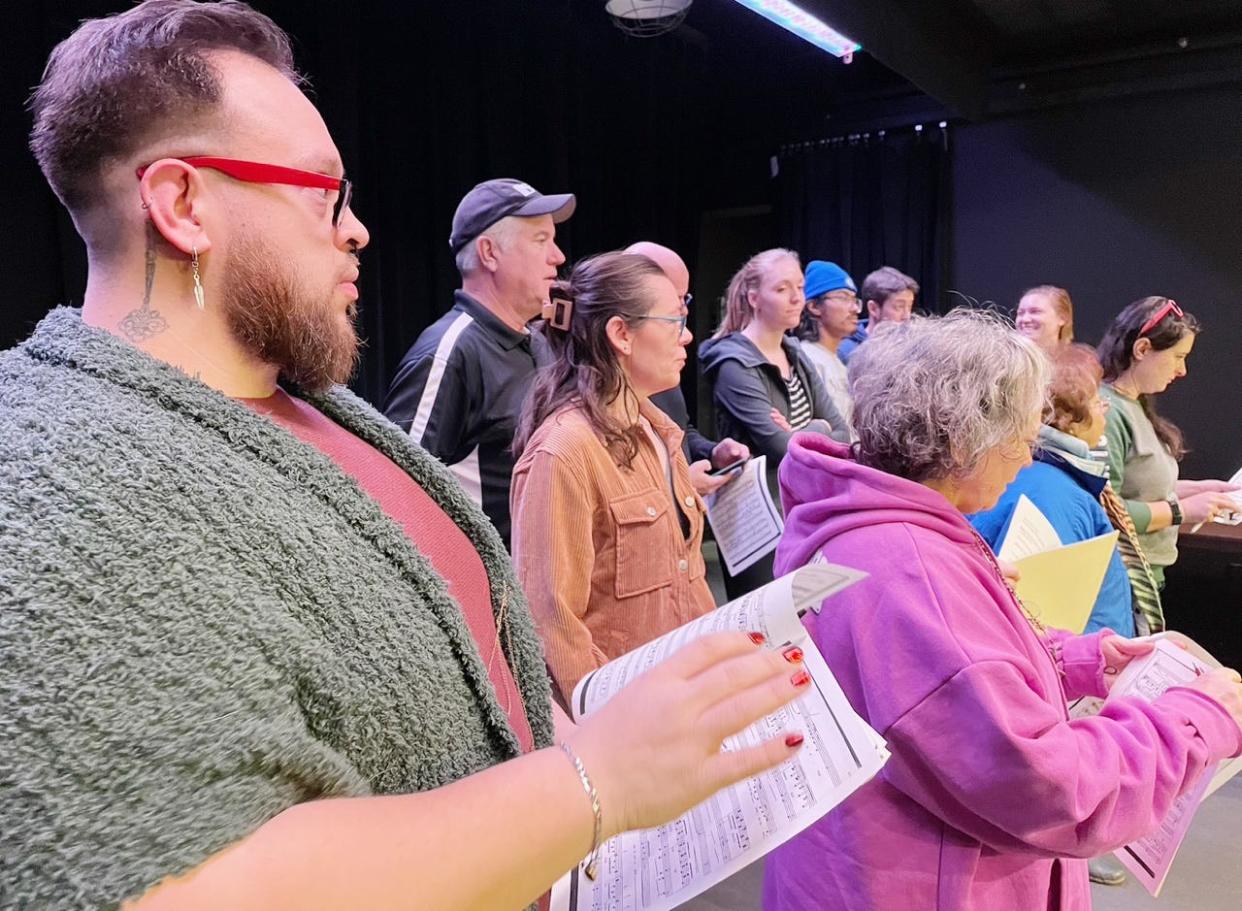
pixel 644 557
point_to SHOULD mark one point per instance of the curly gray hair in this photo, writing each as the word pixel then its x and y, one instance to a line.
pixel 934 395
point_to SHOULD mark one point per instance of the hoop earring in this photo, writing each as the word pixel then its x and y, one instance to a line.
pixel 198 281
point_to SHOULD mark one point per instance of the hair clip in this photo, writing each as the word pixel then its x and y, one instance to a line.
pixel 559 309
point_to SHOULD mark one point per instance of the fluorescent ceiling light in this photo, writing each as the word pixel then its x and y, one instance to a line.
pixel 804 25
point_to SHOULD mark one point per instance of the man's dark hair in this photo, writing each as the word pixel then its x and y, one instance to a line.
pixel 884 282
pixel 119 82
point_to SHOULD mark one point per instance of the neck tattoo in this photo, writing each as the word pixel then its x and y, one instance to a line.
pixel 145 323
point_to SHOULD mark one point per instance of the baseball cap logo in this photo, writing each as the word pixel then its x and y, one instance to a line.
pixel 524 188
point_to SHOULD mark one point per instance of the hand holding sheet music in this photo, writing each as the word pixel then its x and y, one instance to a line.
pixel 659 869
pixel 1175 661
pixel 744 520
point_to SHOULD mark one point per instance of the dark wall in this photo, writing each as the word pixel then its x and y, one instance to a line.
pixel 424 100
pixel 1114 201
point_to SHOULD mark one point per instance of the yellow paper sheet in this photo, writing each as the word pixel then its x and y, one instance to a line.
pixel 1059 587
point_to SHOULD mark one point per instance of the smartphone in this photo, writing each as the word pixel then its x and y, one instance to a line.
pixel 728 469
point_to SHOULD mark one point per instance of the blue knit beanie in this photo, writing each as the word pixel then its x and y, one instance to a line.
pixel 822 277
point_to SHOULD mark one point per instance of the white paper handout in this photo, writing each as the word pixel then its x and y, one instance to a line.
pixel 1149 858
pixel 746 523
pixel 661 868
pixel 1029 533
pixel 1233 516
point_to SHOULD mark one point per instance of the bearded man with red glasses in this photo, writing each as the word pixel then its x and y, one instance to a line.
pixel 258 648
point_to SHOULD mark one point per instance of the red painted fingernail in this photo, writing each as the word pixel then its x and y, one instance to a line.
pixel 793 654
pixel 802 678
pixel 792 740
pixel 758 638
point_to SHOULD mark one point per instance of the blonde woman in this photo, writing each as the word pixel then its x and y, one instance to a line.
pixel 1046 316
pixel 764 387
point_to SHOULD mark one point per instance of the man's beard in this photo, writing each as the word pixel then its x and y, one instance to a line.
pixel 281 323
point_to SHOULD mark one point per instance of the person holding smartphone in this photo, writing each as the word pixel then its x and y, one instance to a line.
pixel 712 463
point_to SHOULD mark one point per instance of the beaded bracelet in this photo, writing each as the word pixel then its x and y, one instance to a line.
pixel 592 864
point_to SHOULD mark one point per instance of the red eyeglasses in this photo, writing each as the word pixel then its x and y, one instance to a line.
pixel 255 172
pixel 1170 306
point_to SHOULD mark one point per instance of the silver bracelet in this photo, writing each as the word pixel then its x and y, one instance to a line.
pixel 592 864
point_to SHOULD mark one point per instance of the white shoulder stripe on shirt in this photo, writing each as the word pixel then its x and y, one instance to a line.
pixel 469 476
pixel 418 426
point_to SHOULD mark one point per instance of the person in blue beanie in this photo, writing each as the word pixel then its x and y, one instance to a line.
pixel 830 317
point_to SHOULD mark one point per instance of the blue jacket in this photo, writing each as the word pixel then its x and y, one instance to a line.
pixel 852 341
pixel 1067 492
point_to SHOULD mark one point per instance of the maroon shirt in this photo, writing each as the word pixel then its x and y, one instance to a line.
pixel 428 527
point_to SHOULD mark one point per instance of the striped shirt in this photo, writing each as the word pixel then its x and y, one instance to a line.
pixel 799 402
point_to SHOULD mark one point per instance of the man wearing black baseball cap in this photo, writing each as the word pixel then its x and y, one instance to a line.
pixel 459 390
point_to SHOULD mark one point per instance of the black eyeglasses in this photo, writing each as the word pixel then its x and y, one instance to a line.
pixel 679 320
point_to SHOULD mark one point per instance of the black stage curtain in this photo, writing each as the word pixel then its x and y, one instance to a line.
pixel 424 100
pixel 871 200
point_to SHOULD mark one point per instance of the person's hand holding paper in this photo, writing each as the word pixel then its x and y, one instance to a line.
pixel 1118 652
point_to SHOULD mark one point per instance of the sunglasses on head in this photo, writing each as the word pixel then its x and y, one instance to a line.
pixel 1170 306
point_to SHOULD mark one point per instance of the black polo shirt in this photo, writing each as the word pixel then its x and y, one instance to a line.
pixel 459 391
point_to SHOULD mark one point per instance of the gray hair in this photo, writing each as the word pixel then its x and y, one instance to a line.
pixel 934 395
pixel 502 234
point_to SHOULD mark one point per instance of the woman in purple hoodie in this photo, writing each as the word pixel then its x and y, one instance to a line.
pixel 992 793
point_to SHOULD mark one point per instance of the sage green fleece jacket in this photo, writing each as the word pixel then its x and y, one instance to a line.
pixel 203 621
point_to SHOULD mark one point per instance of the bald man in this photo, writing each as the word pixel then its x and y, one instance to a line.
pixel 702 454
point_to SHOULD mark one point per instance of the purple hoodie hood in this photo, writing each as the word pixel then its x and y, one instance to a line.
pixel 825 493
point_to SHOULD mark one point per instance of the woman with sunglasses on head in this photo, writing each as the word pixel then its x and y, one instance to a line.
pixel 764 386
pixel 1143 350
pixel 607 527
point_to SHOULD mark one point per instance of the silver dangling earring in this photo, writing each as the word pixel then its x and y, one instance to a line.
pixel 198 281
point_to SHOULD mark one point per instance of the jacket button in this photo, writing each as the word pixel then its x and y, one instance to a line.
pixel 690 502
pixel 683 565
pixel 651 511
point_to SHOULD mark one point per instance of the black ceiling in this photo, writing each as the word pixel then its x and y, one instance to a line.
pixel 969 56
pixel 1024 28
